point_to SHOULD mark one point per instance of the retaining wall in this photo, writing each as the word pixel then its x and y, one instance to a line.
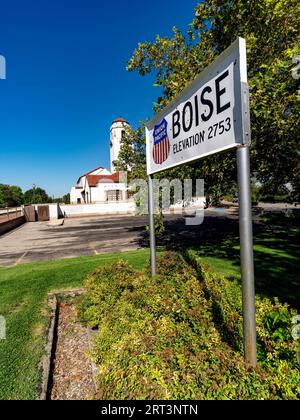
pixel 6 227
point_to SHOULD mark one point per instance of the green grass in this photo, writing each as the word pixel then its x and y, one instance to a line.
pixel 276 258
pixel 24 288
pixel 23 303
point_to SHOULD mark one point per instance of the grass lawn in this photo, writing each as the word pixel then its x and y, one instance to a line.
pixel 23 303
pixel 24 288
pixel 276 257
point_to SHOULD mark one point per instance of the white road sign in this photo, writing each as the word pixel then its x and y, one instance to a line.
pixel 210 115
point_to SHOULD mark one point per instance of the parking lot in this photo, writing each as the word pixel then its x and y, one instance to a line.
pixel 76 237
pixel 95 235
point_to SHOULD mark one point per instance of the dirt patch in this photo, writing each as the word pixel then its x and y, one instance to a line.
pixel 72 375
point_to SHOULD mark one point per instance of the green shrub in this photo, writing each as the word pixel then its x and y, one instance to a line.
pixel 228 197
pixel 162 338
pixel 104 287
pixel 277 351
pixel 159 225
pixel 225 298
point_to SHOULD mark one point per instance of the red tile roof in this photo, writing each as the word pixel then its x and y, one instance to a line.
pixel 94 180
pixel 88 173
pixel 120 120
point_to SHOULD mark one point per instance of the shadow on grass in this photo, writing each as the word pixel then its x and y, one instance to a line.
pixel 276 258
pixel 276 252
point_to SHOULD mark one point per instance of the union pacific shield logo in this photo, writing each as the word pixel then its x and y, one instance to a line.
pixel 161 148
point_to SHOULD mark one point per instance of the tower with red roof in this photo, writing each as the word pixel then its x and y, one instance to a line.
pixel 117 132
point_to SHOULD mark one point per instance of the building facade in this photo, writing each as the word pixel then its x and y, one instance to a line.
pixel 101 185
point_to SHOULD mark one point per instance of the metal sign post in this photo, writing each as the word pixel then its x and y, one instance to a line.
pixel 152 226
pixel 211 115
pixel 247 264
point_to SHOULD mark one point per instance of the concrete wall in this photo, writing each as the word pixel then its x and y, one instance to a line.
pixel 53 211
pixel 98 195
pixel 98 209
pixel 75 194
pixel 11 224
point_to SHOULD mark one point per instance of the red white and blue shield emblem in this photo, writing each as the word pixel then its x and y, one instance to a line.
pixel 161 148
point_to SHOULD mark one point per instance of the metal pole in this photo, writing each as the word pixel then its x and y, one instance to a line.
pixel 247 263
pixel 152 225
pixel 33 196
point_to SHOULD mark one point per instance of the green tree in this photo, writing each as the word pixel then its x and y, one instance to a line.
pixel 272 32
pixel 132 156
pixel 3 195
pixel 36 196
pixel 66 199
pixel 15 196
pixel 10 196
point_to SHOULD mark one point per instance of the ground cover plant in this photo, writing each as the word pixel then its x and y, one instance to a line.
pixel 179 336
pixel 23 303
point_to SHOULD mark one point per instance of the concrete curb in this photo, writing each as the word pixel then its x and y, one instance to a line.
pixel 47 360
pixel 91 334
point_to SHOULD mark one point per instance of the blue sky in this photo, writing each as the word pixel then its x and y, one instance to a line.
pixel 66 82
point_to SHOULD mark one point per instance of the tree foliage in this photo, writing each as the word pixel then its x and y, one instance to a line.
pixel 271 29
pixel 36 196
pixel 13 196
pixel 10 196
pixel 66 199
pixel 132 156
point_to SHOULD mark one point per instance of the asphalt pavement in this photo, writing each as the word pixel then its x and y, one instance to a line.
pixel 96 235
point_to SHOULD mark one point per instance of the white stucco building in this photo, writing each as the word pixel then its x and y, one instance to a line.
pixel 101 185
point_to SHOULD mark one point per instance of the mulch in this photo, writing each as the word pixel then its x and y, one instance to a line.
pixel 72 375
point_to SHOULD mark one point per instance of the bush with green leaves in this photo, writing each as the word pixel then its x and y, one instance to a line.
pixel 104 288
pixel 277 350
pixel 159 338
